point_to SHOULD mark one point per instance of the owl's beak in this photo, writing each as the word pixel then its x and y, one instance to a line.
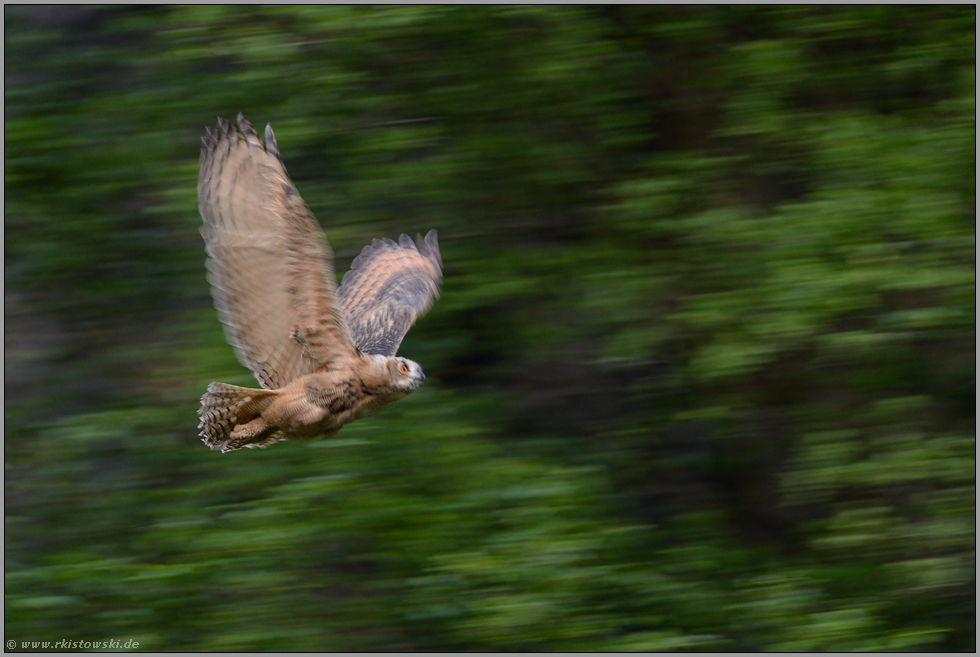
pixel 422 375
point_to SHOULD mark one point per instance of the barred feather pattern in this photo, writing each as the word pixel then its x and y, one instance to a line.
pixel 270 266
pixel 388 287
pixel 225 406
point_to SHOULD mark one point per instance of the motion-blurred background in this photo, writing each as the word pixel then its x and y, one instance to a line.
pixel 702 375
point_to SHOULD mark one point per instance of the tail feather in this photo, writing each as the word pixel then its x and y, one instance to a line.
pixel 225 407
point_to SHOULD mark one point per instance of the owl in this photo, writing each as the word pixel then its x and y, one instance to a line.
pixel 323 356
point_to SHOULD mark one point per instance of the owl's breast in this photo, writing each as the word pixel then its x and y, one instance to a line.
pixel 343 396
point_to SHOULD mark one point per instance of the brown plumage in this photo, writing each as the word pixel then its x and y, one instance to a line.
pixel 324 356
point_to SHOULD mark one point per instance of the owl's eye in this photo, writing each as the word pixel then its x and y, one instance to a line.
pixel 404 368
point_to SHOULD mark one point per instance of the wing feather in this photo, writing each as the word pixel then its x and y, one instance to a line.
pixel 269 264
pixel 388 287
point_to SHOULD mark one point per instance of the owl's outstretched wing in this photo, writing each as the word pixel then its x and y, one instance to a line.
pixel 388 287
pixel 270 267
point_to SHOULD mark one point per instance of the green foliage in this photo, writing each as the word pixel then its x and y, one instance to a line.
pixel 702 376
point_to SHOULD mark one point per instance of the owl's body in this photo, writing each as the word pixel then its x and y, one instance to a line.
pixel 312 405
pixel 324 356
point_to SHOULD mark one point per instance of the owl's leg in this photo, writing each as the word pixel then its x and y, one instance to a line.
pixel 246 434
pixel 231 415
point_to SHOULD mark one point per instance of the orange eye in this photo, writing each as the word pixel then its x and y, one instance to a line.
pixel 404 368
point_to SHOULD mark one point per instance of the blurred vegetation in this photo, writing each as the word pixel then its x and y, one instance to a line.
pixel 702 375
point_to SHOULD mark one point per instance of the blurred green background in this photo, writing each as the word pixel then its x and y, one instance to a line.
pixel 702 375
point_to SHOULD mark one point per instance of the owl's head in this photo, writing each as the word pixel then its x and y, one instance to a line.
pixel 405 374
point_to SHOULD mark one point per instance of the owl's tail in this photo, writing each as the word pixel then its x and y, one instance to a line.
pixel 231 417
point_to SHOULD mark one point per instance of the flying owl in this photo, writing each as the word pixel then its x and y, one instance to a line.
pixel 323 355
